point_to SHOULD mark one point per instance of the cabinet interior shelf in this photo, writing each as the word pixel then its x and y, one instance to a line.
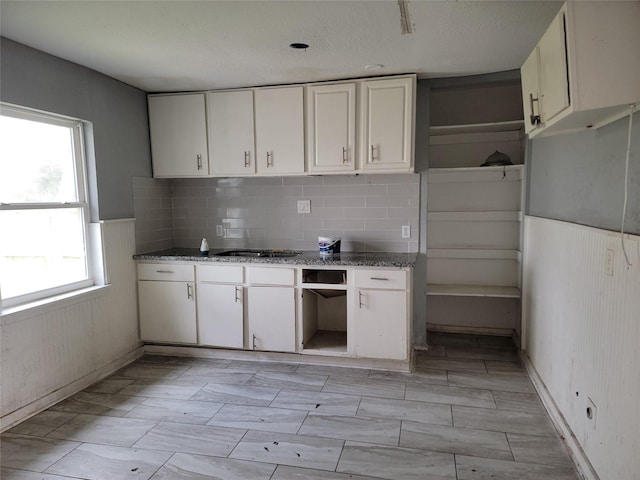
pixel 473 291
pixel 507 126
pixel 327 292
pixel 326 341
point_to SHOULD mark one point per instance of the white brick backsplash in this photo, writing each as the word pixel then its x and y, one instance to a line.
pixel 367 211
pixel 387 201
pixel 345 180
pixel 346 202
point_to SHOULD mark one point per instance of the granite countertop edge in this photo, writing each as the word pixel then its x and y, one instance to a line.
pixel 355 259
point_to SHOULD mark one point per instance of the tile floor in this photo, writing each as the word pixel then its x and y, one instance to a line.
pixel 468 412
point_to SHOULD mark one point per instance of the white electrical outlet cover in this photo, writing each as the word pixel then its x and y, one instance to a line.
pixel 406 231
pixel 219 231
pixel 609 259
pixel 304 206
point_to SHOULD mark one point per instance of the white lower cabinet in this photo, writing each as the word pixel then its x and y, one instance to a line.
pixel 167 311
pixel 220 315
pixel 380 314
pixel 343 311
pixel 167 303
pixel 271 313
pixel 220 305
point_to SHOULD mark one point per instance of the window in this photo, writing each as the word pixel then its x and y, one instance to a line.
pixel 44 212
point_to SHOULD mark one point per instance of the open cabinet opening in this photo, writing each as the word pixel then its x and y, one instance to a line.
pixel 324 311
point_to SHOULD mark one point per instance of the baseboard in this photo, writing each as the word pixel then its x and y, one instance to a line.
pixel 498 332
pixel 37 406
pixel 577 454
pixel 373 363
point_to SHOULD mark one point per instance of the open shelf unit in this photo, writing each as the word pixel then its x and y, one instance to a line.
pixel 454 146
pixel 474 213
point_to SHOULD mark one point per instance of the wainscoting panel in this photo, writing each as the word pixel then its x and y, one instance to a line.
pixel 581 333
pixel 49 352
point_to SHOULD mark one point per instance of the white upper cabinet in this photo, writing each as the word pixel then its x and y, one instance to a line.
pixel 231 133
pixel 178 135
pixel 352 126
pixel 279 116
pixel 387 124
pixel 331 128
pixel 553 71
pixel 529 73
pixel 584 71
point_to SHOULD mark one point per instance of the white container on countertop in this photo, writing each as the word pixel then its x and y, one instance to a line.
pixel 204 247
pixel 329 245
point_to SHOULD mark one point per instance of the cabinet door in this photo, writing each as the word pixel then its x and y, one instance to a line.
pixel 271 318
pixel 220 315
pixel 167 311
pixel 178 135
pixel 231 136
pixel 331 125
pixel 554 82
pixel 387 122
pixel 529 72
pixel 380 324
pixel 279 130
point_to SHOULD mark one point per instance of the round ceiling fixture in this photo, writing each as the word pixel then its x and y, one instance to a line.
pixel 373 66
pixel 299 46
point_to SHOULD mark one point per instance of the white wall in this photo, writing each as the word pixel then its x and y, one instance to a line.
pixel 582 337
pixel 50 352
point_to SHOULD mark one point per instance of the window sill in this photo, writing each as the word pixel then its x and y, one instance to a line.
pixel 18 313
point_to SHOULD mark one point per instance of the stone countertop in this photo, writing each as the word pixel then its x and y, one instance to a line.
pixel 353 259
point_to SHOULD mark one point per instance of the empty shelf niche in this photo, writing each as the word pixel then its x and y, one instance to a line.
pixel 324 312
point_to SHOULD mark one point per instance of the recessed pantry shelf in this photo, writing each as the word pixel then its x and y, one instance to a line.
pixel 473 291
pixel 476 174
pixel 507 126
pixel 474 253
pixel 480 216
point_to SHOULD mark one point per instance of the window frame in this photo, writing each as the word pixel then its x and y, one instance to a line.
pixel 77 128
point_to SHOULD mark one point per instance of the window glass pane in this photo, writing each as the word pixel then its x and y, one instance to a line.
pixel 36 162
pixel 41 249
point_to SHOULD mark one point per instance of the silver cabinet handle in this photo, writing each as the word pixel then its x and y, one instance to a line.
pixel 535 119
pixel 379 278
pixel 359 299
pixel 373 157
pixel 189 291
pixel 237 298
pixel 269 159
pixel 199 159
pixel 253 345
pixel 165 271
pixel 345 159
pixel 247 159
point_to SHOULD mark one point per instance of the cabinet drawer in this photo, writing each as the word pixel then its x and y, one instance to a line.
pixel 270 276
pixel 164 271
pixel 384 279
pixel 219 273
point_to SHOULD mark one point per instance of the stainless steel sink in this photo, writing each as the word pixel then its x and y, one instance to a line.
pixel 258 253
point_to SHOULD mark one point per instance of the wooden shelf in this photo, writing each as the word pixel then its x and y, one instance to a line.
pixel 508 126
pixel 474 174
pixel 473 291
pixel 484 216
pixel 474 253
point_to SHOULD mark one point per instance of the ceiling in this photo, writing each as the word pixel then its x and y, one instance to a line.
pixel 188 45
